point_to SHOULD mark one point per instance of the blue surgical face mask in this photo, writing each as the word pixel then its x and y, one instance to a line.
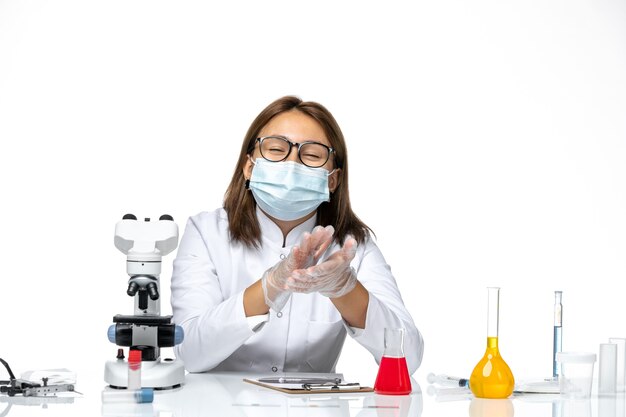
pixel 288 190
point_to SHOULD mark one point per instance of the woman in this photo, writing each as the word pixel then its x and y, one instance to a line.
pixel 274 280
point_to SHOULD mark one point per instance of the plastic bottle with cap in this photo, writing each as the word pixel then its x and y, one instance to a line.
pixel 143 395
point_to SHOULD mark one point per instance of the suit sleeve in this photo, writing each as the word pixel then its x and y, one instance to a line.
pixel 214 327
pixel 385 309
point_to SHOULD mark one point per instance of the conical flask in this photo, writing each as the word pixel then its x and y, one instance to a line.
pixel 393 373
pixel 492 377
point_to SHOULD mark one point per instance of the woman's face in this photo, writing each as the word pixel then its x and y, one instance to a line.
pixel 297 127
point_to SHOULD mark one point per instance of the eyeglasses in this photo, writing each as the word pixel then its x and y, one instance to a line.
pixel 278 148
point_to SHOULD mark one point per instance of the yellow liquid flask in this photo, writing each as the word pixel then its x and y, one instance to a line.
pixel 492 377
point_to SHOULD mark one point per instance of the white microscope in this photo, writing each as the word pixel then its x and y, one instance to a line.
pixel 145 243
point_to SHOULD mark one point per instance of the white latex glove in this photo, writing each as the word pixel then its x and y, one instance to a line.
pixel 306 253
pixel 332 278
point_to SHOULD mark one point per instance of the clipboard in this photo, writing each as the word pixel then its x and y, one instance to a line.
pixel 311 388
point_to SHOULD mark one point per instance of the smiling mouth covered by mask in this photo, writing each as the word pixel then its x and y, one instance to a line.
pixel 288 190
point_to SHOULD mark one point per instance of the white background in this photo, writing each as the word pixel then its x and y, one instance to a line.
pixel 487 146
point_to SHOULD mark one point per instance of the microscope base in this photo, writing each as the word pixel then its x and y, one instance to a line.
pixel 154 374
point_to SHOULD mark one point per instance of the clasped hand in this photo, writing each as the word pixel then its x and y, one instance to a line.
pixel 312 246
pixel 299 272
pixel 332 278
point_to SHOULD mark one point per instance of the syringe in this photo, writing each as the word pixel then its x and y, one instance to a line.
pixel 447 380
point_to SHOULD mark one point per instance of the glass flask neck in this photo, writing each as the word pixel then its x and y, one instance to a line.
pixel 394 341
pixel 558 308
pixel 492 342
pixel 493 311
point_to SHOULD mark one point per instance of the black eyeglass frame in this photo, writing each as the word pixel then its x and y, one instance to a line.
pixel 291 145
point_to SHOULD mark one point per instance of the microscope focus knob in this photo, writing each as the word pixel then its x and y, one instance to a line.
pixel 166 217
pixel 179 335
pixel 129 216
pixel 170 335
pixel 111 333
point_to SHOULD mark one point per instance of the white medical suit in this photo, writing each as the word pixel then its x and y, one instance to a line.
pixel 211 273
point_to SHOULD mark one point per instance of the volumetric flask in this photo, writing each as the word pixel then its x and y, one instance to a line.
pixel 393 373
pixel 492 377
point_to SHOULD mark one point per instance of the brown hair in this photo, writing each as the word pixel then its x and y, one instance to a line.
pixel 239 202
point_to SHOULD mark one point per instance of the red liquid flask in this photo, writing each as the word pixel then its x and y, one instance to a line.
pixel 393 373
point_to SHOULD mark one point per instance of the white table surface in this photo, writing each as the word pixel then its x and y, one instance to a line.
pixel 225 394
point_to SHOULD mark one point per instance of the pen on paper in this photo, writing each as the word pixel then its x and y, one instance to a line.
pixel 288 380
